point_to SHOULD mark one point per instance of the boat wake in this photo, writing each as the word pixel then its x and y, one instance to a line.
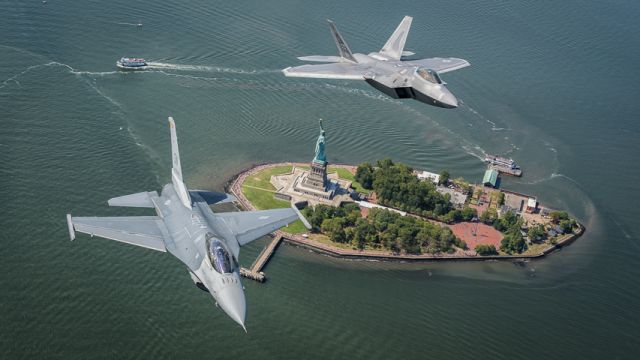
pixel 129 24
pixel 481 117
pixel 85 76
pixel 15 77
pixel 205 68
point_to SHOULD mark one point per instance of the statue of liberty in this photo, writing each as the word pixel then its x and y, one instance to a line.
pixel 320 157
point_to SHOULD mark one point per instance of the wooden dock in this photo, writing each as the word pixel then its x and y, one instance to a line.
pixel 255 272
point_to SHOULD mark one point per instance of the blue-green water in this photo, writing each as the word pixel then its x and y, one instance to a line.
pixel 552 84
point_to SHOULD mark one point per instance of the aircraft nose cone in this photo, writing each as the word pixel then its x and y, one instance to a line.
pixel 448 100
pixel 231 300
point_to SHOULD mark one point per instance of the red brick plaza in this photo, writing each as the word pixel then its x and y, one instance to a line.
pixel 477 233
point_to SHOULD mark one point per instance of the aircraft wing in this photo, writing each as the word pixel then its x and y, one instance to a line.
pixel 144 231
pixel 247 226
pixel 345 70
pixel 211 197
pixel 440 65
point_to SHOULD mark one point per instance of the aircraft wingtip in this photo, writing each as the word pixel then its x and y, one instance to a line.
pixel 72 231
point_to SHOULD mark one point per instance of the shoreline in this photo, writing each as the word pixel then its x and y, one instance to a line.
pixel 234 186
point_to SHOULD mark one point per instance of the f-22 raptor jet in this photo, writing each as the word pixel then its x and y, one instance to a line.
pixel 207 243
pixel 386 70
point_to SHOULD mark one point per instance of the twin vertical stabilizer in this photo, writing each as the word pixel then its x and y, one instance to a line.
pixel 343 48
pixel 395 45
pixel 176 170
pixel 393 49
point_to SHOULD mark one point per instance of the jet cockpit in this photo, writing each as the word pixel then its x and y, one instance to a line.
pixel 429 75
pixel 219 256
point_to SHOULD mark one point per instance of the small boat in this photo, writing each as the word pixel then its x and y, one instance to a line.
pixel 501 161
pixel 126 63
pixel 503 165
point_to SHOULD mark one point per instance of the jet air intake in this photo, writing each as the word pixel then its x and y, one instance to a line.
pixel 444 100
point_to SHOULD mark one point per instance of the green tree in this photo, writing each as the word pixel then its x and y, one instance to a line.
pixel 444 177
pixel 364 233
pixel 557 216
pixel 383 228
pixel 536 232
pixel 468 213
pixel 334 228
pixel 489 216
pixel 364 175
pixel 513 242
pixel 567 225
pixel 485 250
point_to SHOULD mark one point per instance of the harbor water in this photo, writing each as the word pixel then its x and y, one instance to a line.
pixel 552 85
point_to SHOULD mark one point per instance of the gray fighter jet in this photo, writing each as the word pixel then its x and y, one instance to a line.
pixel 386 70
pixel 207 243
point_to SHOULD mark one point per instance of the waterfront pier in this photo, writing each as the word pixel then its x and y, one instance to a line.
pixel 255 272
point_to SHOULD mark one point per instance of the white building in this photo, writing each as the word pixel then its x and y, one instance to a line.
pixel 425 175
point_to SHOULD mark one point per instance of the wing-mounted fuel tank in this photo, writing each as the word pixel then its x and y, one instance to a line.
pixel 197 281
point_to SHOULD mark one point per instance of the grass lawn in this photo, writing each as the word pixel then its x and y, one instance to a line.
pixel 342 173
pixel 296 227
pixel 262 178
pixel 347 175
pixel 535 249
pixel 263 199
pixel 494 199
pixel 259 191
pixel 324 239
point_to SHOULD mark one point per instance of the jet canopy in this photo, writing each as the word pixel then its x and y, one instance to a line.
pixel 429 75
pixel 219 257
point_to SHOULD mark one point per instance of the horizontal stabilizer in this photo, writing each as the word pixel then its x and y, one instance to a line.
pixel 211 197
pixel 322 58
pixel 141 199
pixel 408 53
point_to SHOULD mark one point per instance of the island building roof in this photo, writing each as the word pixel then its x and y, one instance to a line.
pixel 490 178
pixel 426 175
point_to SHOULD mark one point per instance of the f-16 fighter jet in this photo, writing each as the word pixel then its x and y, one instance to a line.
pixel 386 70
pixel 207 243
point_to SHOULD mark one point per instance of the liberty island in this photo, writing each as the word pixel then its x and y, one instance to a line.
pixel 484 223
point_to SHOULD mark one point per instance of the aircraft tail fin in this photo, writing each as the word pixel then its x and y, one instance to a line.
pixel 343 48
pixel 176 169
pixel 395 45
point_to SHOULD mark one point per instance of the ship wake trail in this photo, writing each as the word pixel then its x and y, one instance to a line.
pixel 482 117
pixel 129 24
pixel 211 69
pixel 84 76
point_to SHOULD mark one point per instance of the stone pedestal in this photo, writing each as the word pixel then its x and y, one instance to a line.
pixel 317 177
